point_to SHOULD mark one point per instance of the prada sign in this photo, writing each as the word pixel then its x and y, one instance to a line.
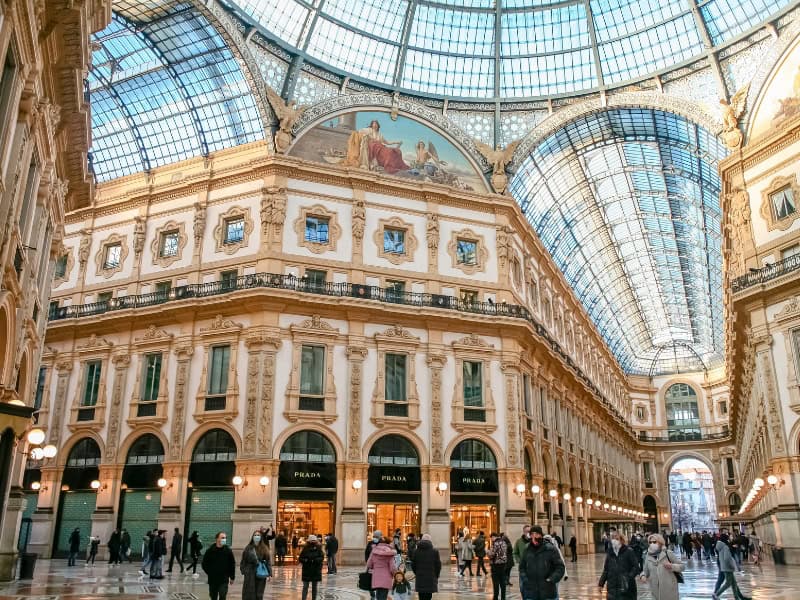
pixel 393 478
pixel 307 475
pixel 473 481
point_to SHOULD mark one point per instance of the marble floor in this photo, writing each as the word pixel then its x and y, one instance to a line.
pixel 53 580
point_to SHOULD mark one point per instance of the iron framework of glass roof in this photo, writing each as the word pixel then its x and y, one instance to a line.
pixel 504 49
pixel 627 203
pixel 164 86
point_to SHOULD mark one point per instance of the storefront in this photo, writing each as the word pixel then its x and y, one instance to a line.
pixel 306 486
pixel 393 487
pixel 140 498
pixel 210 501
pixel 77 500
pixel 473 489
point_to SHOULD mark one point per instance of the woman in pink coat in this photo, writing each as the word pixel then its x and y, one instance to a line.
pixel 381 565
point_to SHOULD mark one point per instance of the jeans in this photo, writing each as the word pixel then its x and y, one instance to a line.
pixel 172 559
pixel 314 586
pixel 425 596
pixel 91 558
pixel 499 575
pixel 218 591
pixel 381 594
pixel 72 557
pixel 737 556
pixel 730 582
pixel 467 564
pixel 331 563
pixel 574 552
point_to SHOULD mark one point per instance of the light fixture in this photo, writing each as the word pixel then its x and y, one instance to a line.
pixel 758 483
pixel 520 489
pixel 37 453
pixel 775 481
pixel 579 500
pixel 36 437
pixel 16 402
pixel 567 496
pixel 590 502
pixel 49 451
pixel 665 515
pixel 613 507
pixel 357 484
pixel 97 486
pixel 535 489
pixel 605 505
pixel 441 488
pixel 65 488
pixel 164 484
pixel 263 482
pixel 36 486
pixel 239 482
pixel 553 493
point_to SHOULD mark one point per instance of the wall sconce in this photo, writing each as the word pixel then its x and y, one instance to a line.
pixel 579 500
pixel 65 488
pixel 758 483
pixel 567 496
pixel 666 515
pixel 263 482
pixel 37 453
pixel 520 489
pixel 590 502
pixel 239 482
pixel 613 507
pixel 37 486
pixel 605 505
pixel 535 489
pixel 97 486
pixel 775 482
pixel 357 484
pixel 553 493
pixel 164 484
pixel 441 488
pixel 35 437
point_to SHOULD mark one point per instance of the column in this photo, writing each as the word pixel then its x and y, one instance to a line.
pixel 436 520
pixel 183 352
pixel 351 496
pixel 12 517
pixel 104 517
pixel 513 515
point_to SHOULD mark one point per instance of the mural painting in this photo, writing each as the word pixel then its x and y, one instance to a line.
pixel 402 148
pixel 781 99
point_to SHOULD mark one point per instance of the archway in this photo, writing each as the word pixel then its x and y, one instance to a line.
pixel 393 486
pixel 650 508
pixel 691 496
pixel 77 500
pixel 140 496
pixel 473 488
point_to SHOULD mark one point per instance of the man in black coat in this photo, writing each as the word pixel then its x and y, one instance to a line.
pixel 427 568
pixel 176 551
pixel 74 546
pixel 331 548
pixel 220 566
pixel 620 569
pixel 542 568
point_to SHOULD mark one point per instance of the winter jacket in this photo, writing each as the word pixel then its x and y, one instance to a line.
pixel 177 544
pixel 74 541
pixel 727 564
pixel 381 564
pixel 311 558
pixel 159 547
pixel 619 573
pixel 663 584
pixel 252 586
pixel 542 568
pixel 332 545
pixel 479 546
pixel 219 565
pixel 195 546
pixel 281 545
pixel 465 549
pixel 519 548
pixel 427 567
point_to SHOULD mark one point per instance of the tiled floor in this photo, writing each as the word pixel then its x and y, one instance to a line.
pixel 55 581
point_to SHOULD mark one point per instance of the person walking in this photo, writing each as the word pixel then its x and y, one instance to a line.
pixel 549 538
pixel 480 553
pixel 397 541
pixel 382 565
pixel 176 550
pixel 295 547
pixel 620 570
pixel 727 567
pixel 311 559
pixel 195 547
pixel 74 546
pixel 94 544
pixel 411 550
pixel 114 544
pixel 147 544
pixel 660 567
pixel 255 567
pixel 331 548
pixel 125 546
pixel 498 559
pixel 427 568
pixel 465 553
pixel 755 550
pixel 220 566
pixel 281 547
pixel 573 549
pixel 543 568
pixel 520 546
pixel 157 554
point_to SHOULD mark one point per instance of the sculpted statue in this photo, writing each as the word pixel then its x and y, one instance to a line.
pixel 84 248
pixel 199 221
pixel 139 233
pixel 278 212
pixel 433 232
pixel 359 217
pixel 288 112
pixel 739 229
pixel 498 158
pixel 731 112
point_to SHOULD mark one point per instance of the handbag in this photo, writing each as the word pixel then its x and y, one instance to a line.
pixel 365 581
pixel 262 570
pixel 678 576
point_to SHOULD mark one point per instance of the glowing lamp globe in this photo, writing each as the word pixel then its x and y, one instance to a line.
pixel 35 436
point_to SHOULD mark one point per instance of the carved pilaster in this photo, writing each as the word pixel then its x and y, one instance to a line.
pixel 64 368
pixel 774 420
pixel 511 371
pixel 436 363
pixel 184 353
pixel 260 392
pixel 121 364
pixel 355 356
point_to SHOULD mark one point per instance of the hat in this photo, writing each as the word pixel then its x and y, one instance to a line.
pixel 536 529
pixel 377 533
pixel 312 538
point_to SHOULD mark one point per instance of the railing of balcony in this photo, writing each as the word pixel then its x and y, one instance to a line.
pixel 768 273
pixel 684 436
pixel 348 290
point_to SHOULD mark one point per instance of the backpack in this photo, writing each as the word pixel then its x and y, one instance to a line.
pixel 499 553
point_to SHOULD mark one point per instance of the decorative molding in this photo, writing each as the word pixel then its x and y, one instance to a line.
pixel 334 231
pixel 355 356
pixel 221 325
pixel 139 235
pixel 481 253
pixel 316 323
pixel 153 334
pixel 432 237
pixel 396 340
pixel 790 310
pixel 100 256
pixel 436 363
pixel 358 218
pixel 472 341
pixel 65 251
pixel 199 224
pixel 766 210
pixel 273 209
pixel 409 244
pixel 264 439
pixel 183 352
pixel 121 364
pixel 155 245
pixel 316 332
pixel 220 231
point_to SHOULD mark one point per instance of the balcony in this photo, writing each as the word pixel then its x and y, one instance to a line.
pixel 702 435
pixel 768 273
pixel 340 290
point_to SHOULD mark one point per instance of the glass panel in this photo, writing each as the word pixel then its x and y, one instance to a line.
pixel 218 370
pixel 169 244
pixel 147 450
pixel 783 203
pixel 234 230
pixel 37 402
pixel 395 388
pixel 395 291
pixel 86 453
pixel 312 371
pixel 151 377
pixel 394 241
pixel 61 266
pixel 215 446
pixel 466 252
pixel 472 454
pixel 113 256
pixel 92 384
pixel 163 287
pixel 316 278
pixel 308 446
pixel 683 414
pixel 473 384
pixel 317 230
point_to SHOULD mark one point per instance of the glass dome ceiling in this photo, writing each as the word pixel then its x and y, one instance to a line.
pixel 505 49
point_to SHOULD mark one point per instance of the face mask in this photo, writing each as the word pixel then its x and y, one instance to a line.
pixel 616 544
pixel 223 541
pixel 376 539
pixel 654 548
pixel 256 539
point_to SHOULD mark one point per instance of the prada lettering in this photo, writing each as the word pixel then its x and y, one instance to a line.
pixel 401 478
pixel 473 480
pixel 306 475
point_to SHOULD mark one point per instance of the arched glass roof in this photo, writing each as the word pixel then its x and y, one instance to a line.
pixel 627 203
pixel 504 48
pixel 164 86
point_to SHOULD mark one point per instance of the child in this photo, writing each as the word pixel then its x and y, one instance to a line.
pixel 401 589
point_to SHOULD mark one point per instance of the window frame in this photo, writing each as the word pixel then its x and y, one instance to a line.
pixel 317 211
pixel 396 341
pixel 227 245
pixel 472 417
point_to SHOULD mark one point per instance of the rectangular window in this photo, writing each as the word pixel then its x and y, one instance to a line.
pixel 228 279
pixel 394 241
pixel 151 376
pixel 648 476
pixel 783 202
pixel 104 297
pixel 92 382
pixel 729 469
pixel 37 402
pixel 316 278
pixel 723 408
pixel 218 376
pixel 317 229
pixel 396 378
pixel 169 244
pixel 53 310
pixel 395 290
pixel 234 230
pixel 473 391
pixel 113 255
pixel 790 251
pixel 163 287
pixel 312 378
pixel 7 85
pixel 61 267
pixel 466 252
pixel 469 297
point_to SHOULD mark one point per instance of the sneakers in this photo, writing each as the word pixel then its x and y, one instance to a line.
pixel 195 576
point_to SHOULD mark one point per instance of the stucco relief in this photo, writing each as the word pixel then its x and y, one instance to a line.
pixel 162 256
pixel 318 246
pixel 355 355
pixel 410 240
pixel 110 269
pixel 231 246
pixel 436 363
pixel 121 363
pixel 184 353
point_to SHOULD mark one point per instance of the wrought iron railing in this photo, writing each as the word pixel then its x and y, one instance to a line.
pixel 768 273
pixel 694 436
pixel 342 290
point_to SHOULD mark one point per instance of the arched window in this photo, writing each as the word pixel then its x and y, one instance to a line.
pixel 86 453
pixel 393 450
pixel 308 446
pixel 683 414
pixel 147 450
pixel 734 503
pixel 215 446
pixel 472 454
